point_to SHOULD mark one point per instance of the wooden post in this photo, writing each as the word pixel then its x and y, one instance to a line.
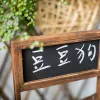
pixel 98 79
pixel 98 89
pixel 15 72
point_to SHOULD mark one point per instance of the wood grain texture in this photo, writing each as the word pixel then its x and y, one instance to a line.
pixel 98 80
pixel 15 71
pixel 98 88
pixel 20 68
pixel 60 79
pixel 59 39
pixel 16 50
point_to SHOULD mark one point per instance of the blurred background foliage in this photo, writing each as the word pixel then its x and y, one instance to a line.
pixel 16 16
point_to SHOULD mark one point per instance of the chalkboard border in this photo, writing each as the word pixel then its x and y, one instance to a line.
pixel 16 50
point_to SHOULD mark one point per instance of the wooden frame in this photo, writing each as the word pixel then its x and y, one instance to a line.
pixel 16 50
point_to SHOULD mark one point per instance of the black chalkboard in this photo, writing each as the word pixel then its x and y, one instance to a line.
pixel 59 60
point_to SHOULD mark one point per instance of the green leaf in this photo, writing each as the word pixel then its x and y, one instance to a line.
pixel 4 47
pixel 26 14
pixel 25 33
pixel 31 47
pixel 41 48
pixel 41 44
pixel 18 36
pixel 36 43
pixel 0 49
pixel 26 37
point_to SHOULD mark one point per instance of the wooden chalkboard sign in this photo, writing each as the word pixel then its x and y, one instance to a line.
pixel 65 58
pixel 59 60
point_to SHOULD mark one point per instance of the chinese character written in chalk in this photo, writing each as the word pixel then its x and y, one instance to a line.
pixel 91 54
pixel 81 53
pixel 63 59
pixel 38 60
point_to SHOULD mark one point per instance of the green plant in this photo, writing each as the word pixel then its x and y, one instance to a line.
pixel 35 44
pixel 16 17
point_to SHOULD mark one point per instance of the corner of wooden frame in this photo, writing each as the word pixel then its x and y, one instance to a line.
pixel 15 45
